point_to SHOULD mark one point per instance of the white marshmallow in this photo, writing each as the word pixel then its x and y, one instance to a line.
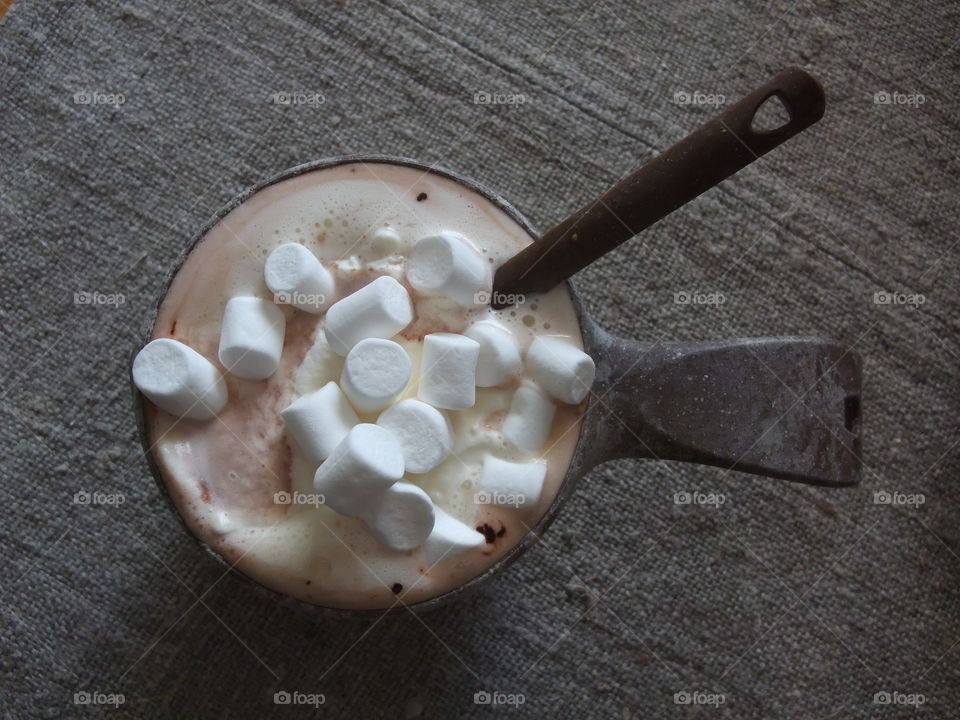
pixel 448 371
pixel 319 421
pixel 510 483
pixel 365 463
pixel 448 265
pixel 499 353
pixel 424 432
pixel 385 241
pixel 562 369
pixel 527 424
pixel 375 372
pixel 296 277
pixel 401 517
pixel 251 337
pixel 178 379
pixel 449 538
pixel 379 309
pixel 319 366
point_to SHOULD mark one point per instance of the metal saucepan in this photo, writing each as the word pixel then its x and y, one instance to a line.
pixel 781 407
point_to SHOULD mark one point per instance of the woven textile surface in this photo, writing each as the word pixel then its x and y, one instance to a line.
pixel 126 125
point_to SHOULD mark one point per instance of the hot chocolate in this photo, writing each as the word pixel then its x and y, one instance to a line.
pixel 479 461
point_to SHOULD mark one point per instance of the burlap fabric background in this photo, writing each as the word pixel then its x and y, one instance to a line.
pixel 786 602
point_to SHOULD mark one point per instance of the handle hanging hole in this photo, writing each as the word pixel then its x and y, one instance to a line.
pixel 772 115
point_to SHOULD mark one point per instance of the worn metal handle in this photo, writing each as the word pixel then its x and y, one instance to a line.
pixel 704 158
pixel 782 407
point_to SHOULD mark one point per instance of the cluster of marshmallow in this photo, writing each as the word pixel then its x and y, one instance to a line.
pixel 181 381
pixel 362 466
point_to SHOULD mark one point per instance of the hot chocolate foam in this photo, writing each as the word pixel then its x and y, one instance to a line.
pixel 230 476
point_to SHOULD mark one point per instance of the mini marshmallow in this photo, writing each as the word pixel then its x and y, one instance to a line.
pixel 296 277
pixel 375 372
pixel 499 353
pixel 401 517
pixel 319 421
pixel 510 483
pixel 448 371
pixel 448 265
pixel 365 463
pixel 527 424
pixel 385 240
pixel 380 309
pixel 449 538
pixel 178 379
pixel 319 366
pixel 562 369
pixel 251 337
pixel 425 435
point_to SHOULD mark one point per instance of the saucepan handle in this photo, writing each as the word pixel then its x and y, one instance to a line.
pixel 784 407
pixel 703 159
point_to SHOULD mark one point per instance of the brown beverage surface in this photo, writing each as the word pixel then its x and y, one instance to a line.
pixel 224 474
